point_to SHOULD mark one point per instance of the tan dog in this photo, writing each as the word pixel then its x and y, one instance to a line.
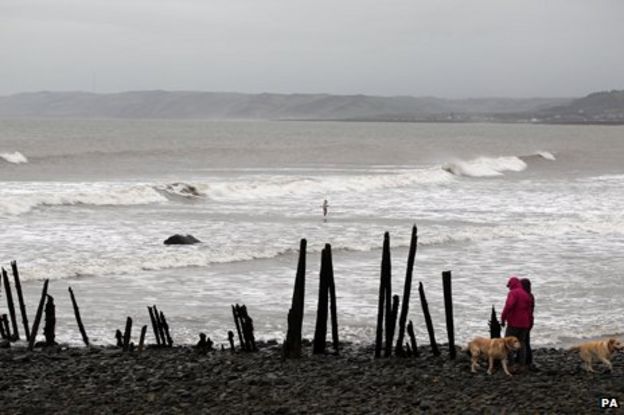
pixel 493 349
pixel 600 349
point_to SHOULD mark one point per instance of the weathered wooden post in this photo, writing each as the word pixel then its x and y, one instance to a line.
pixel 448 308
pixel 10 305
pixel 239 328
pixel 248 329
pixel 495 327
pixel 127 333
pixel 385 268
pixel 50 321
pixel 119 338
pixel 412 336
pixel 231 340
pixel 83 333
pixel 154 325
pixel 425 307
pixel 320 332
pixel 388 296
pixel 35 327
pixel 20 298
pixel 292 345
pixel 2 333
pixel 142 338
pixel 165 326
pixel 394 314
pixel 407 290
pixel 159 325
pixel 6 331
pixel 332 296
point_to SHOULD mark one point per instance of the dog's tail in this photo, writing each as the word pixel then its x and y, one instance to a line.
pixel 574 349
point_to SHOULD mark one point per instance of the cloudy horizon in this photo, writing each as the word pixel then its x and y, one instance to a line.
pixel 448 49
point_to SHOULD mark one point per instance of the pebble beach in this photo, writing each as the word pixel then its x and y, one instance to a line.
pixel 105 380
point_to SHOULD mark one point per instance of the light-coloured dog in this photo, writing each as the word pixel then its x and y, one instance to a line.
pixel 493 349
pixel 602 350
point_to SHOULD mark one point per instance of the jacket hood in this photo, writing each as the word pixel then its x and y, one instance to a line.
pixel 513 282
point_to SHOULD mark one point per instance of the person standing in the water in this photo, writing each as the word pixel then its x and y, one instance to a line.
pixel 325 205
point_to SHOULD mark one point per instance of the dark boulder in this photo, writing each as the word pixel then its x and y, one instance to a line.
pixel 178 239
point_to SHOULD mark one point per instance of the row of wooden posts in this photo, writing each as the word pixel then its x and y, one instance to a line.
pixel 387 313
pixel 9 330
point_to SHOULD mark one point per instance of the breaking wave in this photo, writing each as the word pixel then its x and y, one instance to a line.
pixel 17 201
pixel 493 166
pixel 14 158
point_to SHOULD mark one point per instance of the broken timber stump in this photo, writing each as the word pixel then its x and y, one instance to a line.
pixel 407 290
pixel 448 308
pixel 83 333
pixel 231 340
pixel 292 345
pixel 50 321
pixel 412 336
pixel 332 297
pixel 165 326
pixel 142 339
pixel 127 334
pixel 495 327
pixel 385 268
pixel 10 305
pixel 20 298
pixel 425 307
pixel 320 331
pixel 237 322
pixel 154 325
pixel 35 327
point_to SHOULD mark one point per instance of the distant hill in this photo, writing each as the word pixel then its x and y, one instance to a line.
pixel 217 106
pixel 599 107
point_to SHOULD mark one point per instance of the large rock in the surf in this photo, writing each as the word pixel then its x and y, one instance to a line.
pixel 178 239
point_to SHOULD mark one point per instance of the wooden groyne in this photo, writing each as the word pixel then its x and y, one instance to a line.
pixel 392 314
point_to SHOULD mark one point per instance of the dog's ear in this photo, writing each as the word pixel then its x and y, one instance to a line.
pixel 509 341
pixel 611 345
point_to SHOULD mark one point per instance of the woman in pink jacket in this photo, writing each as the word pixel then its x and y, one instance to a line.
pixel 518 315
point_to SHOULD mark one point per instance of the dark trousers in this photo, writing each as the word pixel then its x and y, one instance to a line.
pixel 523 337
pixel 529 351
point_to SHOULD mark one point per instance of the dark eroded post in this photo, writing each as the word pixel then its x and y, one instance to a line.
pixel 50 321
pixel 154 325
pixel 332 296
pixel 320 332
pixel 35 327
pixel 386 269
pixel 448 308
pixel 127 333
pixel 10 305
pixel 142 338
pixel 292 345
pixel 425 308
pixel 412 336
pixel 407 290
pixel 382 296
pixel 495 327
pixel 20 298
pixel 83 333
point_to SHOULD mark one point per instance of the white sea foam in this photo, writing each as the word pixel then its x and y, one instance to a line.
pixel 546 155
pixel 14 158
pixel 485 166
pixel 17 200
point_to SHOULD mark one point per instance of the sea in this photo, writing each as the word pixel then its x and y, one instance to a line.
pixel 87 204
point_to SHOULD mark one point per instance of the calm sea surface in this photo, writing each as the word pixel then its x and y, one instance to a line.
pixel 89 203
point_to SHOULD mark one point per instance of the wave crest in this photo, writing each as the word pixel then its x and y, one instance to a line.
pixel 14 158
pixel 485 166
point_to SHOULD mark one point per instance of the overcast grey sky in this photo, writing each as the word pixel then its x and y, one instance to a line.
pixel 446 48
